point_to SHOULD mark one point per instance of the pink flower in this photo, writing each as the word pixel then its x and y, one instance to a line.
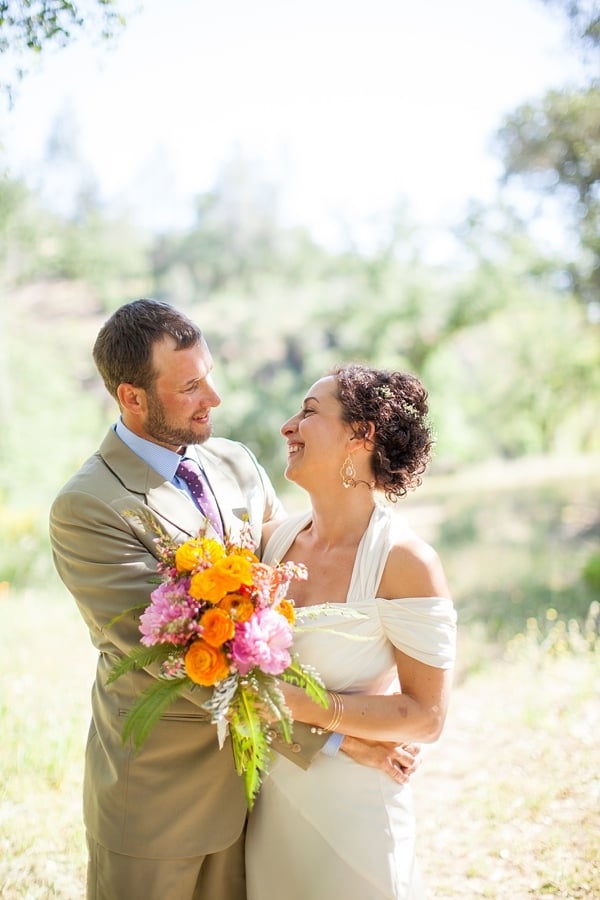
pixel 271 583
pixel 262 641
pixel 171 616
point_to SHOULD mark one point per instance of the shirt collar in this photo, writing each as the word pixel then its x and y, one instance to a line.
pixel 161 459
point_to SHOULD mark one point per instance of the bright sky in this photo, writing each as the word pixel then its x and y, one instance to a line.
pixel 349 105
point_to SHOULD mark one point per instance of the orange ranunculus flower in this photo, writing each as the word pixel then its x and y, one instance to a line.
pixel 205 664
pixel 286 609
pixel 228 574
pixel 239 606
pixel 246 553
pixel 235 571
pixel 197 552
pixel 217 627
pixel 207 584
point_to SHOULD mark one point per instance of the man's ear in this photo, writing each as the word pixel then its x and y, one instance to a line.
pixel 131 398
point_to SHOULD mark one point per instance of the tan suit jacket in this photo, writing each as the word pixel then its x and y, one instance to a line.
pixel 179 796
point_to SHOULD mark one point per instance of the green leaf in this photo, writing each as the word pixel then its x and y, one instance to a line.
pixel 126 613
pixel 251 750
pixel 272 698
pixel 149 707
pixel 307 678
pixel 321 630
pixel 140 658
pixel 318 612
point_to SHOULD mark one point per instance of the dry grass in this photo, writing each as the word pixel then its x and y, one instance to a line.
pixel 44 711
pixel 508 801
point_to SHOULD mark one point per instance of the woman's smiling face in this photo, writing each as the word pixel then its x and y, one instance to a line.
pixel 317 437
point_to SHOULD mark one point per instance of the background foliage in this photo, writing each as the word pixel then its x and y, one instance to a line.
pixel 507 339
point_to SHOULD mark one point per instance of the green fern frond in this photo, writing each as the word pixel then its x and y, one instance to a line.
pixel 251 750
pixel 336 610
pixel 308 679
pixel 126 612
pixel 272 701
pixel 149 707
pixel 304 629
pixel 140 658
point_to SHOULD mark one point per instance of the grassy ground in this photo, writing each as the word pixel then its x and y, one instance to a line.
pixel 508 801
pixel 45 681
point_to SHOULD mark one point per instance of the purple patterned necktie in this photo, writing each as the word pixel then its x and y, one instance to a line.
pixel 190 472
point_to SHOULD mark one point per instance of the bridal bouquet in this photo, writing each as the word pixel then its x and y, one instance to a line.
pixel 221 619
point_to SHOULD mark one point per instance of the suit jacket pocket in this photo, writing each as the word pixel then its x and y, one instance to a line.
pixel 180 718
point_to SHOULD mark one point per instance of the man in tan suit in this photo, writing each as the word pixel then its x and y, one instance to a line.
pixel 165 822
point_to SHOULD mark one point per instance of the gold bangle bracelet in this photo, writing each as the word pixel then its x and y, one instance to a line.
pixel 338 710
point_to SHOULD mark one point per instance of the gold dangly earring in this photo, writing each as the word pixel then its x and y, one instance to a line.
pixel 348 473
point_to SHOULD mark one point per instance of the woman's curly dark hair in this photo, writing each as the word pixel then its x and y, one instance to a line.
pixel 396 404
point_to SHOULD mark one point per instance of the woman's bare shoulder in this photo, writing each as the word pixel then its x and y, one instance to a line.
pixel 413 567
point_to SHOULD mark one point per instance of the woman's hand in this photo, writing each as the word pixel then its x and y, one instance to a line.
pixel 399 761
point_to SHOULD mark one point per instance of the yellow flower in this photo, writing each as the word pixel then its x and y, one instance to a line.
pixel 217 627
pixel 286 609
pixel 205 664
pixel 238 606
pixel 198 552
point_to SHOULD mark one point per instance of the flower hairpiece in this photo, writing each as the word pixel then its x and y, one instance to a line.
pixel 384 392
pixel 409 410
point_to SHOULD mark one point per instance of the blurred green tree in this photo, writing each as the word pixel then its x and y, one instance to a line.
pixel 584 17
pixel 27 27
pixel 235 240
pixel 554 146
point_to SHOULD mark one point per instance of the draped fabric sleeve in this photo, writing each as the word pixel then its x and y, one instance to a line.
pixel 281 539
pixel 422 627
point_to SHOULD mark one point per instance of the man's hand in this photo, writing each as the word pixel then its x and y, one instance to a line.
pixel 399 761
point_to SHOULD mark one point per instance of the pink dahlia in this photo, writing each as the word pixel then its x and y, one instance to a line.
pixel 262 641
pixel 171 616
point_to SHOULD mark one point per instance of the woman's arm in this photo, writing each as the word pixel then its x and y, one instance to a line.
pixel 418 713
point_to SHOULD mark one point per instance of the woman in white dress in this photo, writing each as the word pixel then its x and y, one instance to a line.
pixel 376 620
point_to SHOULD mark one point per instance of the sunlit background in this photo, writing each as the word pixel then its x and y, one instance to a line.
pixel 416 185
pixel 345 108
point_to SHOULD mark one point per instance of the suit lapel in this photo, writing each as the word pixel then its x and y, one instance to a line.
pixel 171 504
pixel 161 497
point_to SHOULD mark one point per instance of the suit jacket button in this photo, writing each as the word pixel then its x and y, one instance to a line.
pixel 295 748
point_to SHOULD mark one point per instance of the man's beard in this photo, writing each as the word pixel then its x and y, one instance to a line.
pixel 162 432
